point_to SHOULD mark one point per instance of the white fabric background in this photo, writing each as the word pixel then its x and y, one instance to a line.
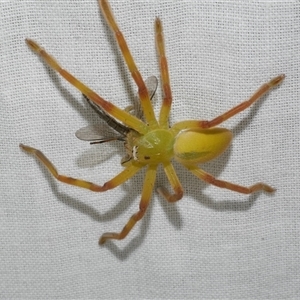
pixel 214 243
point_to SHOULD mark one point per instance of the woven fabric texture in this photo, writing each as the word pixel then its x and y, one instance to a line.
pixel 214 243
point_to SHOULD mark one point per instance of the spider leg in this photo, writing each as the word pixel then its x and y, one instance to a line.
pixel 167 101
pixel 228 185
pixel 123 176
pixel 110 121
pixel 113 110
pixel 142 89
pixel 235 110
pixel 175 183
pixel 145 200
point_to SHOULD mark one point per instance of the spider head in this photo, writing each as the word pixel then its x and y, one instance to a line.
pixel 154 147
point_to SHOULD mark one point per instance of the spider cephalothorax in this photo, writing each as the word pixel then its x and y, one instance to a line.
pixel 150 141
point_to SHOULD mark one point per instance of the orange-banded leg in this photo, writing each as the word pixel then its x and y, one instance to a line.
pixel 175 183
pixel 228 185
pixel 145 200
pixel 237 109
pixel 142 89
pixel 123 176
pixel 110 108
pixel 167 100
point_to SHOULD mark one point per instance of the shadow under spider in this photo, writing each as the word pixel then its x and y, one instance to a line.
pixel 123 204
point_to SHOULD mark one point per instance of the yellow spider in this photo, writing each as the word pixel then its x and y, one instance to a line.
pixel 150 141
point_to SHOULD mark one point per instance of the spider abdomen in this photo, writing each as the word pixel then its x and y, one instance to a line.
pixel 195 146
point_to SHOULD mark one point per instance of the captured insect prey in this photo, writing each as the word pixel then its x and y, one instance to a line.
pixel 150 141
pixel 93 133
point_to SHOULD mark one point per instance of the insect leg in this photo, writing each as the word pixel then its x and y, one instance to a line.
pixel 142 89
pixel 127 173
pixel 228 185
pixel 167 101
pixel 175 183
pixel 145 200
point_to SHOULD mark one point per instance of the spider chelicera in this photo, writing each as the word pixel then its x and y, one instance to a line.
pixel 150 141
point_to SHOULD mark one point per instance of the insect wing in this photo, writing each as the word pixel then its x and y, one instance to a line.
pixel 96 133
pixel 151 84
pixel 110 121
